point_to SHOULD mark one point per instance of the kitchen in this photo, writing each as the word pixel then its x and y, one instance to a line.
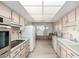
pixel 50 32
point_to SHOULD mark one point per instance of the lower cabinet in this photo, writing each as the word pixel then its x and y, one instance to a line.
pixel 21 54
pixel 64 52
pixel 71 54
pixel 58 49
pixel 21 51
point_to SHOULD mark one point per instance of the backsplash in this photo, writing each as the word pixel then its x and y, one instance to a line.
pixel 15 34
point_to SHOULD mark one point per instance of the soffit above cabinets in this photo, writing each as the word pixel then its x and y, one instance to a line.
pixel 42 10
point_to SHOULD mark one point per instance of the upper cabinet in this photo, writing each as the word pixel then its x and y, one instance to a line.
pixel 70 19
pixel 15 17
pixel 77 14
pixel 5 11
pixel 65 20
pixel 71 16
pixel 22 22
pixel 60 25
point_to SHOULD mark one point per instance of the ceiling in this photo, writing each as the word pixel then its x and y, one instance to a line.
pixel 42 10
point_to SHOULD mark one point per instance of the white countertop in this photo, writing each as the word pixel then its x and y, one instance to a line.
pixel 73 46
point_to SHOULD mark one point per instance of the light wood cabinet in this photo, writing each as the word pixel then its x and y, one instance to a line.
pixel 58 49
pixel 21 51
pixel 65 20
pixel 5 11
pixel 60 25
pixel 15 17
pixel 15 52
pixel 77 14
pixel 71 16
pixel 27 48
pixel 63 51
pixel 21 54
pixel 71 54
pixel 22 21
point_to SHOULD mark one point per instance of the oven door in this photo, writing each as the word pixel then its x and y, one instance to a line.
pixel 4 39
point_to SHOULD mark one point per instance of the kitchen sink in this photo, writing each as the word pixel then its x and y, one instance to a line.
pixel 15 43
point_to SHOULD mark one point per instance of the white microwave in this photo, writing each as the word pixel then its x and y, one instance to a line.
pixel 4 20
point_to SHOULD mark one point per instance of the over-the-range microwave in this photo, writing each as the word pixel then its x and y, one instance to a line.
pixel 4 20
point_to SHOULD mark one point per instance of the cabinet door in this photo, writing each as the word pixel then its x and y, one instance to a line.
pixel 58 49
pixel 5 11
pixel 71 16
pixel 55 43
pixel 15 17
pixel 65 20
pixel 77 14
pixel 63 51
pixel 21 21
pixel 26 49
pixel 75 55
pixel 22 53
pixel 71 54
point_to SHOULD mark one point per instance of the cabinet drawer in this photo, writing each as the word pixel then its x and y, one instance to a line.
pixel 72 54
pixel 15 52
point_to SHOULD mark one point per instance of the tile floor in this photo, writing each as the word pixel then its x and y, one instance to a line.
pixel 43 49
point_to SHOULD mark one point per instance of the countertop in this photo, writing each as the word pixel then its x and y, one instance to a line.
pixel 73 46
pixel 13 48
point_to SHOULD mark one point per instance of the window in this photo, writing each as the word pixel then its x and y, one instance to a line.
pixel 42 30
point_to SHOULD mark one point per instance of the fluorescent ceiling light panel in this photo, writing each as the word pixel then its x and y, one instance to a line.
pixel 42 10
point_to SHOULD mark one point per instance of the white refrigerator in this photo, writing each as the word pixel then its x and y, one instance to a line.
pixel 29 34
